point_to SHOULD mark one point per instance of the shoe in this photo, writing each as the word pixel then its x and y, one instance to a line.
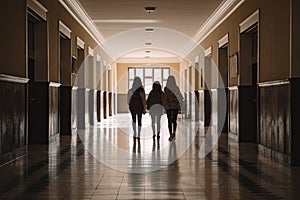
pixel 172 136
pixel 154 137
pixel 158 136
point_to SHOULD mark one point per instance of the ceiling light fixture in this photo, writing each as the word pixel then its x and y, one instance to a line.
pixel 148 51
pixel 150 9
pixel 148 43
pixel 149 30
pixel 147 56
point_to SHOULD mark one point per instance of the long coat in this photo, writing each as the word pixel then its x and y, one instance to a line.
pixel 136 100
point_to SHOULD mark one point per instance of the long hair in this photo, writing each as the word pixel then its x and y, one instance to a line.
pixel 171 82
pixel 156 86
pixel 137 83
pixel 171 86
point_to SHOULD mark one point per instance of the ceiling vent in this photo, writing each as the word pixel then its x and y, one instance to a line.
pixel 150 9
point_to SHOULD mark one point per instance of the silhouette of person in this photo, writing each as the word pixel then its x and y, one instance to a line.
pixel 137 104
pixel 172 101
pixel 154 105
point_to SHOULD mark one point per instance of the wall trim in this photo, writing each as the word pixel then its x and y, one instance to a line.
pixel 233 88
pixel 53 84
pixel 224 40
pixel 249 21
pixel 74 88
pixel 38 8
pixel 98 58
pixel 208 52
pixel 78 13
pixel 218 17
pixel 64 29
pixel 90 51
pixel 14 79
pixel 197 59
pixel 273 83
pixel 80 42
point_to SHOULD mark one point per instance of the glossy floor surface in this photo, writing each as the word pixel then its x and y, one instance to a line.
pixel 105 162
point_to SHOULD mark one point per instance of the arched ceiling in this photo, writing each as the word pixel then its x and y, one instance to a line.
pixel 112 23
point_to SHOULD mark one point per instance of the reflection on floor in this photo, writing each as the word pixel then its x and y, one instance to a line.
pixel 105 162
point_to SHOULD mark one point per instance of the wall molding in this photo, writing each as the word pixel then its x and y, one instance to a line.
pixel 218 17
pixel 233 88
pixel 208 52
pixel 249 21
pixel 53 84
pixel 64 29
pixel 98 58
pixel 38 8
pixel 273 83
pixel 90 51
pixel 14 79
pixel 224 40
pixel 80 42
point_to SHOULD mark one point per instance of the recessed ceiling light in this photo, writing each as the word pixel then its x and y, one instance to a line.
pixel 148 51
pixel 149 30
pixel 147 56
pixel 150 9
pixel 148 43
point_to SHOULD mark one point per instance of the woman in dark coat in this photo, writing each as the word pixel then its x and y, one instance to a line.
pixel 154 105
pixel 172 101
pixel 137 104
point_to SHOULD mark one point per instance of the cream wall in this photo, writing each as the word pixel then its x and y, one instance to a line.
pixel 13 38
pixel 122 74
pixel 274 37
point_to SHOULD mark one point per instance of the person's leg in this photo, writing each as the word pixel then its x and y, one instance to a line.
pixel 175 114
pixel 169 116
pixel 133 123
pixel 158 124
pixel 153 123
pixel 139 123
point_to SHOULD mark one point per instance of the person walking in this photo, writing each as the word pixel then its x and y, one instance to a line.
pixel 137 105
pixel 154 105
pixel 172 102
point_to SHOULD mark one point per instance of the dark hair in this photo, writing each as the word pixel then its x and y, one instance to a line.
pixel 171 82
pixel 136 83
pixel 156 86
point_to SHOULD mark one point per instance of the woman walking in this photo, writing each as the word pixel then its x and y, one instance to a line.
pixel 137 104
pixel 172 101
pixel 154 105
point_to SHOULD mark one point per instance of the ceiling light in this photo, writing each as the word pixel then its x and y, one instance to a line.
pixel 149 30
pixel 148 51
pixel 147 56
pixel 148 43
pixel 150 9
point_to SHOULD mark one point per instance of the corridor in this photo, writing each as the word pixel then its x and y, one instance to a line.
pixel 74 168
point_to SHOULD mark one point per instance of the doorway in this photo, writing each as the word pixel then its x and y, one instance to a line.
pixel 249 44
pixel 65 61
pixel 223 85
pixel 38 77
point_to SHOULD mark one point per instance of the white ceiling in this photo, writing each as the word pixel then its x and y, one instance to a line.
pixel 115 17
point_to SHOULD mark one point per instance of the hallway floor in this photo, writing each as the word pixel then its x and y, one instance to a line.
pixel 105 162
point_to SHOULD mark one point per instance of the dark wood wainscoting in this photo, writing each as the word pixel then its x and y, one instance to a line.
pixel 233 113
pixel 44 113
pixel 65 110
pixel 196 106
pixel 13 118
pixel 74 109
pixel 201 106
pixel 243 113
pixel 275 134
pixel 207 107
